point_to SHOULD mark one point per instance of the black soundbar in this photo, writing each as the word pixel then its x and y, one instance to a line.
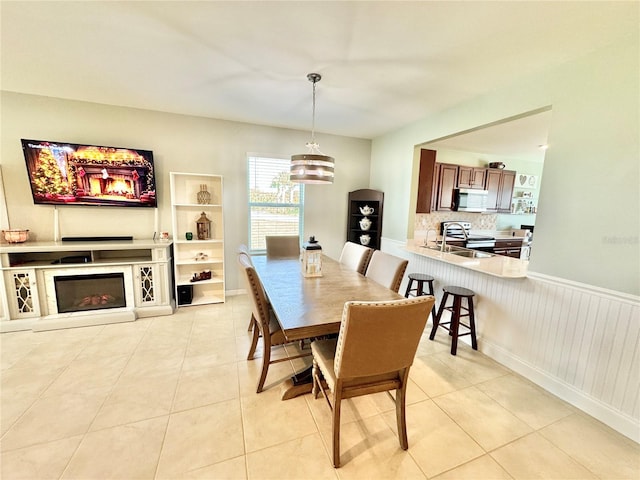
pixel 97 239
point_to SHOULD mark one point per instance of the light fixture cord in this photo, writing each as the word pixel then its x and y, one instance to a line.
pixel 313 116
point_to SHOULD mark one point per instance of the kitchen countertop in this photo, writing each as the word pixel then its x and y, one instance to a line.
pixel 497 265
pixel 499 236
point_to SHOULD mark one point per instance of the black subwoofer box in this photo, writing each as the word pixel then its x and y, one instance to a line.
pixel 185 294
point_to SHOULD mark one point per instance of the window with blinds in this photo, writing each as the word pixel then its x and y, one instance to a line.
pixel 276 204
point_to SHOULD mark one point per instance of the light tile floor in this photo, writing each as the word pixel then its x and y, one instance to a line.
pixel 174 397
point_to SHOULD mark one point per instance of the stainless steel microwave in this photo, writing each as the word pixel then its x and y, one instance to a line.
pixel 470 200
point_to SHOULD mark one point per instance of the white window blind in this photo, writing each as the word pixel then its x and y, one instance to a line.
pixel 275 203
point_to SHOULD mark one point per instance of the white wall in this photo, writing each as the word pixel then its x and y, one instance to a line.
pixel 587 224
pixel 179 143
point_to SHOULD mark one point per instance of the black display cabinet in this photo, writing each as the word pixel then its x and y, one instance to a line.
pixel 364 224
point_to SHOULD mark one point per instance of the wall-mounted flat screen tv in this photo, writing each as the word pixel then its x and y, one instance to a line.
pixel 74 174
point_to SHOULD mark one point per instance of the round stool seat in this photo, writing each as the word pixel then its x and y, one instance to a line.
pixel 458 291
pixel 420 277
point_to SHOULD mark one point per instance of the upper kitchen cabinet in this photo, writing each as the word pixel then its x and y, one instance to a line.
pixel 471 177
pixel 447 180
pixel 426 181
pixel 436 184
pixel 500 184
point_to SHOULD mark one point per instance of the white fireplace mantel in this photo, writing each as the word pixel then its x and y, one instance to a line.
pixel 27 291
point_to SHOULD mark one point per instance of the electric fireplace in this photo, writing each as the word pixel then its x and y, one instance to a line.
pixel 79 293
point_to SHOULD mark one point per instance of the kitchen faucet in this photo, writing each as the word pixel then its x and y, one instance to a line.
pixel 426 239
pixel 443 246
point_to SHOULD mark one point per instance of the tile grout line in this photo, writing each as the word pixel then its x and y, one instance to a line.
pixel 173 399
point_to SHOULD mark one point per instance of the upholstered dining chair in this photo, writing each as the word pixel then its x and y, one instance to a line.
pixel 386 269
pixel 244 250
pixel 373 353
pixel 355 257
pixel 266 325
pixel 283 246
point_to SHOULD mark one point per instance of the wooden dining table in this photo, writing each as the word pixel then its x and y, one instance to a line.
pixel 310 307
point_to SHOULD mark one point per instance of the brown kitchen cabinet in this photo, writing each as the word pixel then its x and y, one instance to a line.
pixel 426 181
pixel 500 185
pixel 436 184
pixel 471 177
pixel 445 187
pixel 506 192
pixel 508 247
pixel 357 231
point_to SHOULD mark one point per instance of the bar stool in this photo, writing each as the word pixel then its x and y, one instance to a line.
pixel 420 279
pixel 458 294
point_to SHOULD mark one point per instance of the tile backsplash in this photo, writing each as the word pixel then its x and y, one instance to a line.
pixel 431 221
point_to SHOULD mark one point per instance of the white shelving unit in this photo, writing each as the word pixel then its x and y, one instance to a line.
pixel 188 254
pixel 524 205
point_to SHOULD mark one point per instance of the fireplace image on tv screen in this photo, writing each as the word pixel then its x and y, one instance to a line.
pixel 74 174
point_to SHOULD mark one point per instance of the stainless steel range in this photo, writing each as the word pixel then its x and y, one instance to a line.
pixel 461 230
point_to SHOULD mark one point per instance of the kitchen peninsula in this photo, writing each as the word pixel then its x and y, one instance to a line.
pixel 496 265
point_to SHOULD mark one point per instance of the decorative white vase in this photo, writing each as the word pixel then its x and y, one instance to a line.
pixel 204 197
pixel 365 224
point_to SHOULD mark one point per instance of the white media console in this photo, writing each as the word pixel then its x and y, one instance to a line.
pixel 52 285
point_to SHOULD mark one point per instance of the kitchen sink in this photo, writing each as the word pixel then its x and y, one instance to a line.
pixel 459 251
pixel 447 248
pixel 472 254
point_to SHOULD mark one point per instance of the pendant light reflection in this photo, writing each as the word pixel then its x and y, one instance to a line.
pixel 313 166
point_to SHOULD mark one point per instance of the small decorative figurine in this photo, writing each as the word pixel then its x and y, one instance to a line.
pixel 198 277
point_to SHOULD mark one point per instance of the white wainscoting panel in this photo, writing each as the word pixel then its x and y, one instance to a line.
pixel 581 343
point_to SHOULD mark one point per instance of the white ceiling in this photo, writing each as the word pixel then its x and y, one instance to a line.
pixel 384 63
pixel 522 137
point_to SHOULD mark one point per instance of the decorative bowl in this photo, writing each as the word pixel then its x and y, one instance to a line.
pixel 496 165
pixel 16 235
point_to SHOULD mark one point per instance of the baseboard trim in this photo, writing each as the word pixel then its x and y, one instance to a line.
pixel 56 322
pixel 17 325
pixel 233 293
pixel 156 311
pixel 620 422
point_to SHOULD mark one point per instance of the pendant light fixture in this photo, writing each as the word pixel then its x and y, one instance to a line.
pixel 313 166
